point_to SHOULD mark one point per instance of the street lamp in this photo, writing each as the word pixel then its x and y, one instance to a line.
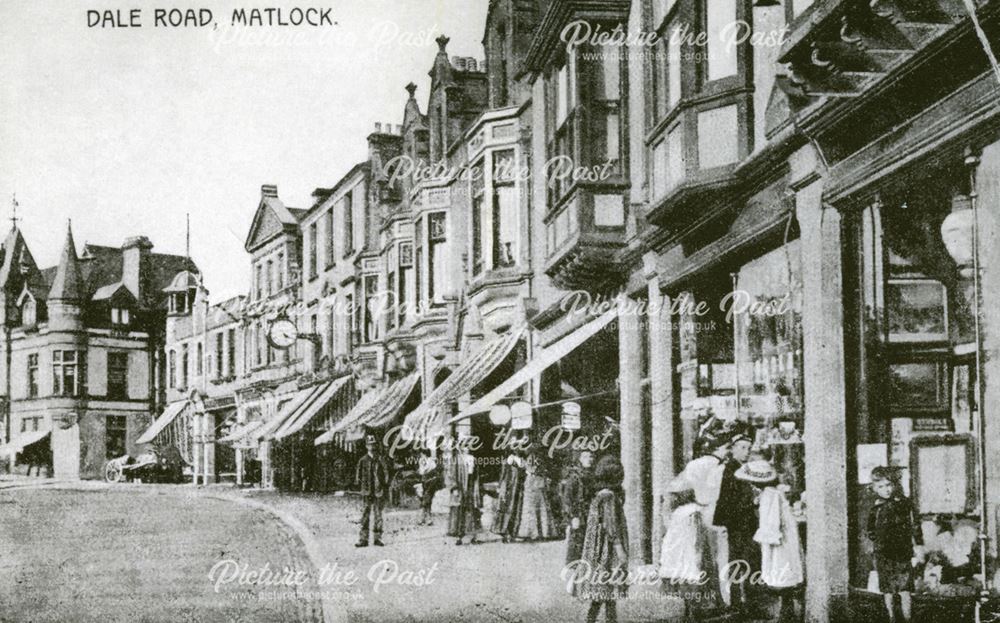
pixel 960 233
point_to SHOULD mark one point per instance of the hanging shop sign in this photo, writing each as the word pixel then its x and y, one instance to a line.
pixel 571 415
pixel 520 416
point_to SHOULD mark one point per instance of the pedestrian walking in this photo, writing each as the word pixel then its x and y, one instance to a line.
pixel 507 520
pixel 602 571
pixel 537 521
pixel 467 508
pixel 372 476
pixel 735 498
pixel 575 491
pixel 431 481
pixel 778 534
pixel 894 528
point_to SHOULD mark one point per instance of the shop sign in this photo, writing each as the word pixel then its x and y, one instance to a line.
pixel 520 416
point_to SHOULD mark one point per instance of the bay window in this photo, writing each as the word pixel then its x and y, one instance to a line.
pixel 718 136
pixel 405 272
pixel 494 212
pixel 478 205
pixel 66 372
pixel 391 278
pixel 586 122
pixel 562 121
pixel 369 306
pixel 437 259
pixel 504 238
pixel 720 15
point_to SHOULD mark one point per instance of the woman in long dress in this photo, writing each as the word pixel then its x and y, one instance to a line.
pixel 602 571
pixel 467 498
pixel 575 491
pixel 509 507
pixel 688 556
pixel 536 515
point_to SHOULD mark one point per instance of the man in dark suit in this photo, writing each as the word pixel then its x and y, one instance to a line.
pixel 733 512
pixel 373 478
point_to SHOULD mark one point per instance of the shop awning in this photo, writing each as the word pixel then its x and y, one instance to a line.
pixel 22 441
pixel 542 360
pixel 314 403
pixel 287 408
pixel 376 408
pixel 240 431
pixel 169 414
pixel 465 377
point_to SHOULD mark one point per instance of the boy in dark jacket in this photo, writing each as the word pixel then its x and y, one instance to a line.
pixel 893 528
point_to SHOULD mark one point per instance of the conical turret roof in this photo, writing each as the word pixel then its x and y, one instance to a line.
pixel 68 284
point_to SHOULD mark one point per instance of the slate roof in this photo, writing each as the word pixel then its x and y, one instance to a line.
pixel 101 266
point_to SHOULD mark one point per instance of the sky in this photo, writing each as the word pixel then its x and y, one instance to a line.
pixel 125 130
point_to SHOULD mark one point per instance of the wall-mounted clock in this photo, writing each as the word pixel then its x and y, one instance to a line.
pixel 282 333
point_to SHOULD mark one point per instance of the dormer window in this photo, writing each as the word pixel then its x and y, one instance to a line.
pixel 29 312
pixel 178 303
pixel 119 316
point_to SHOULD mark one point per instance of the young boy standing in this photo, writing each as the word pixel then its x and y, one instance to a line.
pixel 893 528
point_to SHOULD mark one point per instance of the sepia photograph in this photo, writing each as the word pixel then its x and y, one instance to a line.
pixel 500 311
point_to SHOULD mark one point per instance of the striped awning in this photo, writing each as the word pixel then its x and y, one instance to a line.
pixel 470 373
pixel 240 431
pixel 314 403
pixel 169 414
pixel 286 409
pixel 541 360
pixel 376 408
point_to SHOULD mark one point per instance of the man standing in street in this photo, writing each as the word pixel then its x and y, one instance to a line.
pixel 373 478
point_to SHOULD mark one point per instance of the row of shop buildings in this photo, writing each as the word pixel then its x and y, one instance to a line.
pixel 772 223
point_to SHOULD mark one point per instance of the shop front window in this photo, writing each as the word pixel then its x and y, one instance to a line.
pixel 914 371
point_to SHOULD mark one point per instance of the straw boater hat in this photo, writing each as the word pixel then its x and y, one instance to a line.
pixel 758 472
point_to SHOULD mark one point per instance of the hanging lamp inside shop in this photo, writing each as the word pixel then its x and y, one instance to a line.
pixel 499 414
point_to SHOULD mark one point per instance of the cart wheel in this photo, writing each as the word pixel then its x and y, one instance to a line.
pixel 113 472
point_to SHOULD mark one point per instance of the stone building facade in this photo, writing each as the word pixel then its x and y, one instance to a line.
pixel 83 365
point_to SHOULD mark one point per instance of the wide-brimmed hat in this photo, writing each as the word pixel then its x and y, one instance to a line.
pixel 758 472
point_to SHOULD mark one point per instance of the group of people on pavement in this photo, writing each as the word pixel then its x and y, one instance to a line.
pixel 733 538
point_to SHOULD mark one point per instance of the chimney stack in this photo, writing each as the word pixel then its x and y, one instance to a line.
pixel 268 190
pixel 135 257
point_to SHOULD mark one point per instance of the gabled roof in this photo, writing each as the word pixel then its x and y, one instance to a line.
pixel 106 293
pixel 272 217
pixel 18 267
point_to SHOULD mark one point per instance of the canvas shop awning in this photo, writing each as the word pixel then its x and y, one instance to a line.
pixel 315 402
pixel 166 418
pixel 541 360
pixel 23 440
pixel 470 373
pixel 376 408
